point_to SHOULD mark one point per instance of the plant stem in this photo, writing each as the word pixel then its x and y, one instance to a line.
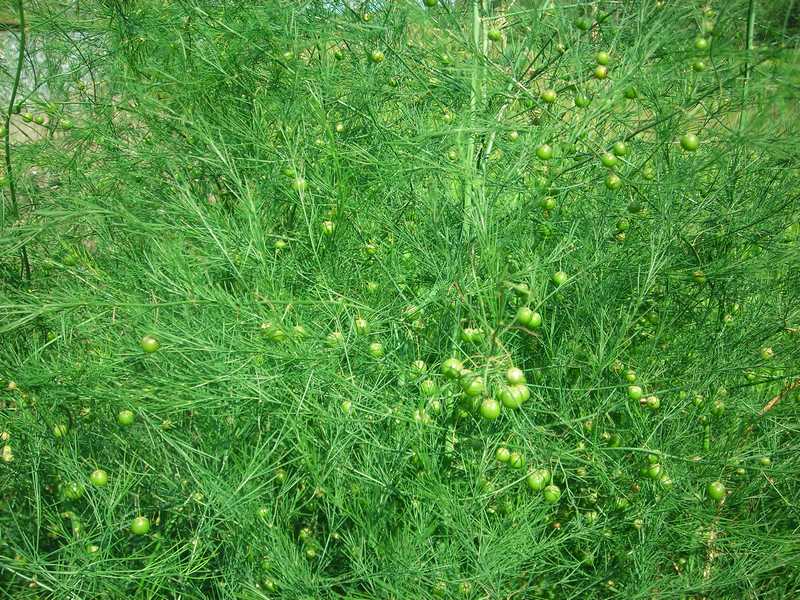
pixel 473 99
pixel 469 161
pixel 751 21
pixel 12 187
pixel 788 15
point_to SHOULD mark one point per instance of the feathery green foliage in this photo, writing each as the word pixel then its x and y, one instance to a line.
pixel 270 188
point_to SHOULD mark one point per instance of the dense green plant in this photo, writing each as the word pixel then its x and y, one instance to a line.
pixel 317 299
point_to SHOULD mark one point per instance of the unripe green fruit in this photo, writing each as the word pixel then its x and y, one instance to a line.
pixel 552 494
pixel 538 479
pixel 502 454
pixel 716 491
pixel 99 478
pixel 490 408
pixel 140 525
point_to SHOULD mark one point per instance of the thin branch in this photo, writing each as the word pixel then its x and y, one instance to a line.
pixel 779 396
pixel 12 186
pixel 751 22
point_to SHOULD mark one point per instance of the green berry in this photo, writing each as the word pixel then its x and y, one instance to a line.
pixel 552 494
pixel 716 491
pixel 140 525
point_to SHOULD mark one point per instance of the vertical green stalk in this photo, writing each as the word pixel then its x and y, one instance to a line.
pixel 472 215
pixel 473 99
pixel 751 22
pixel 12 187
pixel 484 52
pixel 476 42
pixel 789 12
